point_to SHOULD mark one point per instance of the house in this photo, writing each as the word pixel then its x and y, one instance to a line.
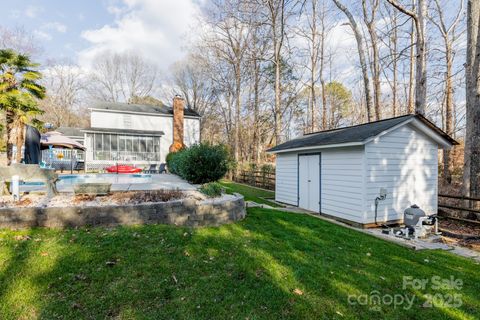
pixel 135 134
pixel 341 172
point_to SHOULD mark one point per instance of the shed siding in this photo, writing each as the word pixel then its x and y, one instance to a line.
pixel 286 173
pixel 404 161
pixel 342 183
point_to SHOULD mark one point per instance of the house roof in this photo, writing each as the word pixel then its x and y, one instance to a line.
pixel 358 134
pixel 70 131
pixel 125 131
pixel 142 108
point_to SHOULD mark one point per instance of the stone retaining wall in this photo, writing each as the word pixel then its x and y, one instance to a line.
pixel 187 212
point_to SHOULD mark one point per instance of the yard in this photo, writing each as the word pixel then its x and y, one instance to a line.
pixel 272 265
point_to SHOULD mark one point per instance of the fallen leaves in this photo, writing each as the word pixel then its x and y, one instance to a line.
pixel 22 237
pixel 298 292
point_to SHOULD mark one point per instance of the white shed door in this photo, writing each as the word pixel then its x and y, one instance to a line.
pixel 309 182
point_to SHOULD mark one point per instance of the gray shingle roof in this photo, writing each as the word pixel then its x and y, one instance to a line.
pixel 358 133
pixel 125 131
pixel 70 131
pixel 160 109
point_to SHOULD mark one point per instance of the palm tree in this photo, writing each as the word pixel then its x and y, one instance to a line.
pixel 19 92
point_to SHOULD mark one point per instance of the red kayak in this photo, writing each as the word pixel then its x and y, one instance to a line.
pixel 123 169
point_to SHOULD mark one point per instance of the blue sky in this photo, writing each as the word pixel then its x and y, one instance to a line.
pixel 78 30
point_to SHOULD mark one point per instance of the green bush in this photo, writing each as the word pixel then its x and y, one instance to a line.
pixel 212 189
pixel 200 163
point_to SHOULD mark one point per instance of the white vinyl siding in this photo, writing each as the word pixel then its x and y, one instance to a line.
pixel 286 173
pixel 404 161
pixel 342 183
pixel 147 122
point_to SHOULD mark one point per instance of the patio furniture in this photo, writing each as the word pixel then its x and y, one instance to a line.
pixel 29 173
pixel 152 169
pixel 162 168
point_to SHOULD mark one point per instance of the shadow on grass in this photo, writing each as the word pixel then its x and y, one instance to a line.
pixel 271 265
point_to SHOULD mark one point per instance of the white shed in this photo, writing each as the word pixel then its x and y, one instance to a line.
pixel 339 173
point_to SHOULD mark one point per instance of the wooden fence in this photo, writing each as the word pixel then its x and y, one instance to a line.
pixel 462 205
pixel 261 179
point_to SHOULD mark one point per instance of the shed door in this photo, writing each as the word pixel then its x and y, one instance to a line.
pixel 309 182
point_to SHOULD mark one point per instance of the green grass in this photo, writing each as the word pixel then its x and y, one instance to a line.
pixel 250 193
pixel 249 269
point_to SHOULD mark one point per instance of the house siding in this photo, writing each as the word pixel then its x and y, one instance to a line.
pixel 286 175
pixel 117 120
pixel 405 162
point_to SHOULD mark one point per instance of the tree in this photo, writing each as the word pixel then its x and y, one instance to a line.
pixel 370 22
pixel 419 18
pixel 472 137
pixel 63 105
pixel 361 54
pixel 449 37
pixel 339 99
pixel 119 77
pixel 19 90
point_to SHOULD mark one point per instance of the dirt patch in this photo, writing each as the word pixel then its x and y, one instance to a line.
pixel 460 233
pixel 116 198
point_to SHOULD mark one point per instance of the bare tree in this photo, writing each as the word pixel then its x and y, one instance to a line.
pixel 449 37
pixel 472 137
pixel 419 18
pixel 65 84
pixel 120 77
pixel 361 54
pixel 370 22
pixel 228 38
pixel 20 40
pixel 191 78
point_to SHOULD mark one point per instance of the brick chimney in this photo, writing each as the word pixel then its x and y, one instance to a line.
pixel 178 111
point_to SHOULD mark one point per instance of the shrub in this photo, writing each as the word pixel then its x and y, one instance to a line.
pixel 212 189
pixel 200 163
pixel 174 160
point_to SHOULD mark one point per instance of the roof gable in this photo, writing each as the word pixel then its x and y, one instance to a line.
pixel 359 134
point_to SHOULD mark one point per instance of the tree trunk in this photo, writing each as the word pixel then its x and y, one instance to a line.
pixel 256 142
pixel 11 137
pixel 361 55
pixel 237 111
pixel 421 60
pixel 447 161
pixel 411 82
pixel 278 115
pixel 472 137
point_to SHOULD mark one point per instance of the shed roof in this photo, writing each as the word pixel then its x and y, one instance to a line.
pixel 141 108
pixel 358 134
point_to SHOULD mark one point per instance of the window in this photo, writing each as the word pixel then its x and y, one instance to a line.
pixel 135 143
pixel 128 141
pixel 142 144
pixel 106 142
pixel 98 142
pixel 114 142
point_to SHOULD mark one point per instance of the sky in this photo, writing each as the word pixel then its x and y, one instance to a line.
pixel 77 30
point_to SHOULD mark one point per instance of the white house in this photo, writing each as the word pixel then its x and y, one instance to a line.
pixel 135 134
pixel 340 172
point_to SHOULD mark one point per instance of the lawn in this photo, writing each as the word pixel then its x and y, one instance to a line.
pixel 250 193
pixel 271 265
